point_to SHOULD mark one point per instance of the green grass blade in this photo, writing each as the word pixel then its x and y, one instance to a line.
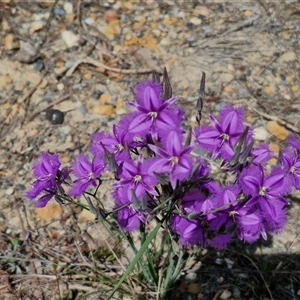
pixel 137 257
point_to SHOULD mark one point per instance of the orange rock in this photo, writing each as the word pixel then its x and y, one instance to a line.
pixel 105 98
pixel 85 216
pixel 111 15
pixel 193 288
pixel 248 13
pixel 274 147
pixel 66 158
pixel 120 104
pixel 228 88
pixel 185 94
pixel 52 211
pixel 11 43
pixel 272 161
pixel 88 75
pixel 277 130
pixel 268 89
pixel 70 17
pixel 104 110
pixel 127 6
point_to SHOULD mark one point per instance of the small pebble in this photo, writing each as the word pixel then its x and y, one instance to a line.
pixel 48 97
pixel 104 109
pixel 44 83
pixel 59 12
pixel 193 288
pixel 36 26
pixel 9 191
pixel 39 65
pixel 89 21
pixel 32 133
pixel 195 21
pixel 68 64
pixel 277 130
pixel 11 43
pixel 191 277
pixel 221 279
pixel 219 261
pixel 68 7
pixel 70 38
pixel 260 133
pixel 127 6
pixel 65 130
pixel 236 293
pixel 225 295
pixel 229 263
pixel 34 78
pixel 26 47
pixel 248 13
pixel 60 86
pixel 55 116
pixel 76 86
pixel 83 109
pixel 105 98
pixel 111 15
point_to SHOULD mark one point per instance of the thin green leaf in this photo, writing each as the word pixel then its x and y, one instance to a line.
pixel 137 258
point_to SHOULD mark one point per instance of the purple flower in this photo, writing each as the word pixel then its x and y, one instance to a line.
pixel 153 113
pixel 203 169
pixel 129 217
pixel 114 144
pixel 174 159
pixel 255 183
pixel 291 164
pixel 267 195
pixel 86 173
pixel 227 196
pixel 275 216
pixel 138 177
pixel 245 221
pixel 262 153
pixel 220 138
pixel 190 231
pixel 192 201
pixel 221 241
pixel 250 224
pixel 294 142
pixel 49 179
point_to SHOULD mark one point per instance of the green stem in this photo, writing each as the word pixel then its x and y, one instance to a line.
pixel 138 256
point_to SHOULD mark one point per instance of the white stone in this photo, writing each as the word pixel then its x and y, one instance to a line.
pixel 225 295
pixel 89 21
pixel 9 191
pixel 195 21
pixel 229 263
pixel 166 41
pixel 70 38
pixel 60 86
pixel 261 133
pixel 68 7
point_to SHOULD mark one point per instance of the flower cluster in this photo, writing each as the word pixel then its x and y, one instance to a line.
pixel 159 174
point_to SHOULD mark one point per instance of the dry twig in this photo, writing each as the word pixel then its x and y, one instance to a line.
pixel 61 99
pixel 280 121
pixel 98 64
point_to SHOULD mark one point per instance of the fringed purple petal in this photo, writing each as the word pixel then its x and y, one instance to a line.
pixel 147 94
